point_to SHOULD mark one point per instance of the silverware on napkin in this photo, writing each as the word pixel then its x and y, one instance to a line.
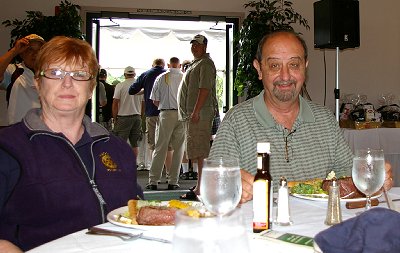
pixel 124 236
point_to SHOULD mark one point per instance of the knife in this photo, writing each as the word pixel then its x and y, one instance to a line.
pixel 388 200
pixel 103 231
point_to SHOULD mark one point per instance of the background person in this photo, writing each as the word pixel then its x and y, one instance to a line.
pixel 170 130
pixel 306 141
pixel 106 110
pixel 18 79
pixel 197 103
pixel 61 173
pixel 127 111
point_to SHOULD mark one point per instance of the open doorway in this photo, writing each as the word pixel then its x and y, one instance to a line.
pixel 122 39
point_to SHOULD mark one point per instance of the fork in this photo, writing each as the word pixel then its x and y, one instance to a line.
pixel 122 235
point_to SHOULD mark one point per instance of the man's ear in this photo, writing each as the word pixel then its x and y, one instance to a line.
pixel 257 66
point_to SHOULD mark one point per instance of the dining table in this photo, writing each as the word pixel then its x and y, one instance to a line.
pixel 307 215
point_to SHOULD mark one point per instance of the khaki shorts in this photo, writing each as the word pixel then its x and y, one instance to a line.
pixel 198 138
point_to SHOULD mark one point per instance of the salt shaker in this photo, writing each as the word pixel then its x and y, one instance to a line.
pixel 334 212
pixel 283 213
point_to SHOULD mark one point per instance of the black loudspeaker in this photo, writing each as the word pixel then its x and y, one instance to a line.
pixel 336 24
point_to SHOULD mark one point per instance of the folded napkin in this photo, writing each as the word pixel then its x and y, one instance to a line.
pixel 376 230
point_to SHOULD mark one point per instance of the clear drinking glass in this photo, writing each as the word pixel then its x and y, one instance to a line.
pixel 221 185
pixel 368 172
pixel 212 234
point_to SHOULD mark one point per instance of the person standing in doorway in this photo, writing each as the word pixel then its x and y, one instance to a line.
pixel 126 111
pixel 106 110
pixel 197 104
pixel 169 129
pixel 146 81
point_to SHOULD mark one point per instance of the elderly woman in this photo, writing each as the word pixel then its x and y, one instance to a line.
pixel 60 172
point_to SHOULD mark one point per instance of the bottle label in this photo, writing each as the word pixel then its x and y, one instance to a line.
pixel 261 205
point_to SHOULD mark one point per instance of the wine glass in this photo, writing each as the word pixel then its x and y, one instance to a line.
pixel 368 172
pixel 221 185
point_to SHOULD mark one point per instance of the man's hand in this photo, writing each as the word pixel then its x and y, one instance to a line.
pixel 8 247
pixel 388 177
pixel 21 45
pixel 195 117
pixel 247 186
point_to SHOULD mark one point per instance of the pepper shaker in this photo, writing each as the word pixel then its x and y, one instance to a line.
pixel 334 212
pixel 283 212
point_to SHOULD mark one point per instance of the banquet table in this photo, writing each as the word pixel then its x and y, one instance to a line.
pixel 378 138
pixel 308 218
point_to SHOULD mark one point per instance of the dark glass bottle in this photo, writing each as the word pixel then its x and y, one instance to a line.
pixel 262 190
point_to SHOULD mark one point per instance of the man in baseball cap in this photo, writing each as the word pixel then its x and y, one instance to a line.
pixel 18 79
pixel 199 39
pixel 129 70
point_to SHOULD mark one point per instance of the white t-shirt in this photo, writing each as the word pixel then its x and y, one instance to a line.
pixel 128 104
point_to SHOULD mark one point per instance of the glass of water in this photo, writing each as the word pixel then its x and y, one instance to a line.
pixel 368 172
pixel 210 233
pixel 221 185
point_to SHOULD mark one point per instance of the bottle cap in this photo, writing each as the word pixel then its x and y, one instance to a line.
pixel 263 147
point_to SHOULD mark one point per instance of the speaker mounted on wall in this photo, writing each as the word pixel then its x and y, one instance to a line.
pixel 336 24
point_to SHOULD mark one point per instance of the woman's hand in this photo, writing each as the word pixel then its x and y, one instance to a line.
pixel 247 186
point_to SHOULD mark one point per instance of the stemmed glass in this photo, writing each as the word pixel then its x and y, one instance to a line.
pixel 368 172
pixel 220 186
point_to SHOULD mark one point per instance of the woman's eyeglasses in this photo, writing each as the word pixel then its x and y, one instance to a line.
pixel 58 74
pixel 287 138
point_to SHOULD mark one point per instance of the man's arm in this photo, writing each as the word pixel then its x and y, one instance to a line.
pixel 102 94
pixel 136 86
pixel 115 106
pixel 201 99
pixel 20 46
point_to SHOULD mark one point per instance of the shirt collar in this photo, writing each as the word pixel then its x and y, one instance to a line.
pixel 33 121
pixel 265 118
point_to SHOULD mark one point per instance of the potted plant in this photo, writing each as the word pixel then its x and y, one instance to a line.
pixel 66 22
pixel 264 17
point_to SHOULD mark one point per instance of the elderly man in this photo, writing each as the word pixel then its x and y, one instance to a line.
pixel 306 141
pixel 18 79
pixel 197 104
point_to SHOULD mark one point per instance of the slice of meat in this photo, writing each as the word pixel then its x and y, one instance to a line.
pixel 346 186
pixel 156 216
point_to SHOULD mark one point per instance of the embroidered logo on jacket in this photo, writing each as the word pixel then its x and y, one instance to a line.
pixel 108 162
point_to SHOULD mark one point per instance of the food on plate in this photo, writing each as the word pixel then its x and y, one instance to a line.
pixel 156 215
pixel 312 186
pixel 346 186
pixel 321 186
pixel 152 212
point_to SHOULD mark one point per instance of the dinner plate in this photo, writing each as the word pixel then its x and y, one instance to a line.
pixel 112 216
pixel 324 197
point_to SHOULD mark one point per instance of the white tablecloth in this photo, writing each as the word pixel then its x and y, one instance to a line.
pixel 387 139
pixel 308 219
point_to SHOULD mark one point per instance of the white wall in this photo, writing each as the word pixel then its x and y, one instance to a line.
pixel 371 69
